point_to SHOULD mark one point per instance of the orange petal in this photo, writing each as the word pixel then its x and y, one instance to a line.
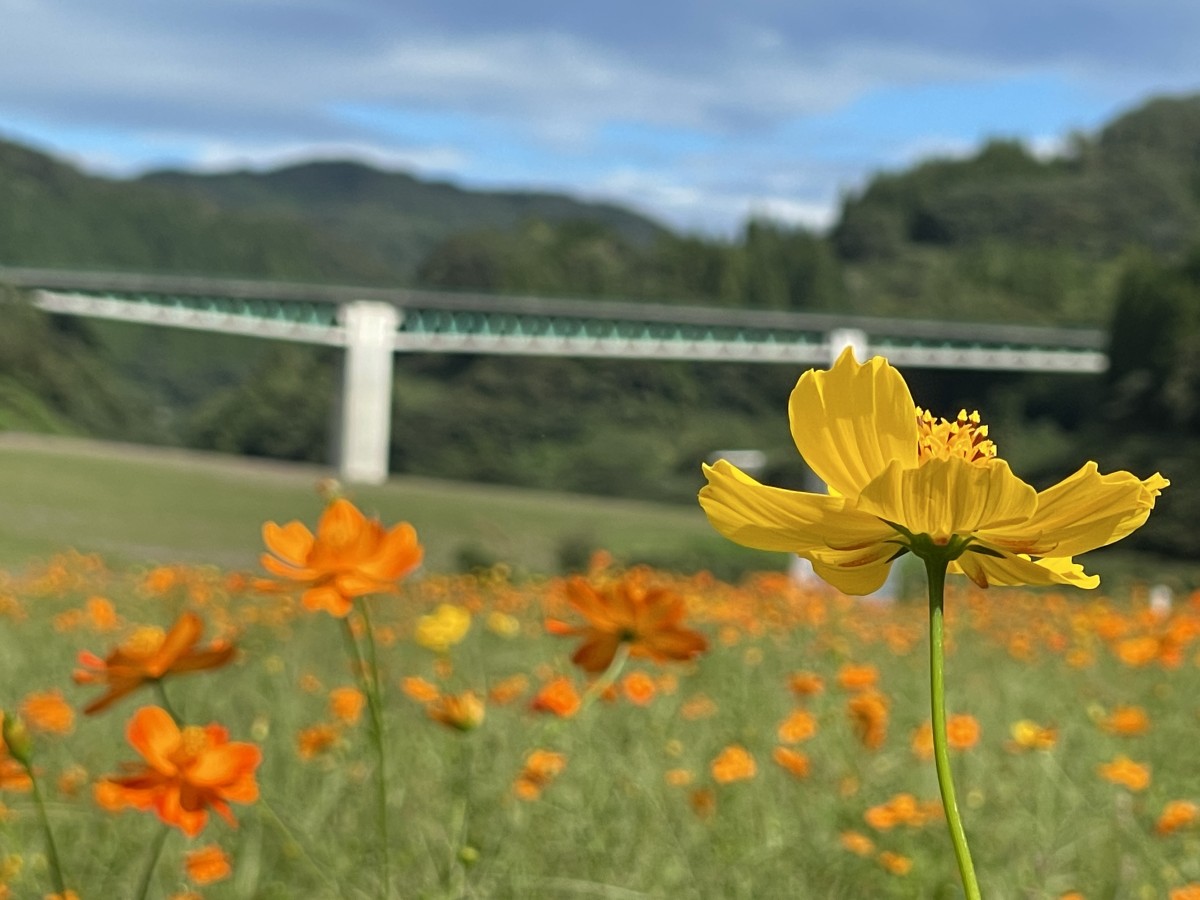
pixel 154 734
pixel 182 636
pixel 224 765
pixel 292 542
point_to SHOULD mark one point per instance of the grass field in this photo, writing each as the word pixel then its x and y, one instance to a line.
pixel 650 801
pixel 141 505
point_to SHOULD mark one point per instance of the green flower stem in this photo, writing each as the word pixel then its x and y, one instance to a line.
pixel 51 848
pixel 368 678
pixel 935 567
pixel 155 853
pixel 161 690
pixel 597 688
pixel 291 843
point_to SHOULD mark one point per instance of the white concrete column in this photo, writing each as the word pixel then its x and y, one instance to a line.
pixel 841 338
pixel 364 426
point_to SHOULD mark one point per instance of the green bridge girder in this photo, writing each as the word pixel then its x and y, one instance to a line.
pixel 445 322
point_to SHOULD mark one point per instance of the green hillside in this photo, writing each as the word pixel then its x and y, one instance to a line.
pixel 1005 234
pixel 393 217
pixel 53 215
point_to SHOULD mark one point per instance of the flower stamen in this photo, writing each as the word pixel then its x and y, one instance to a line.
pixel 964 437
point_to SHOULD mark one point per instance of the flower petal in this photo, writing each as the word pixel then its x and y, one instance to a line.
pixel 153 733
pixel 1009 569
pixel 291 542
pixel 856 573
pixel 224 765
pixel 1082 512
pixel 944 497
pixel 851 421
pixel 178 641
pixel 769 518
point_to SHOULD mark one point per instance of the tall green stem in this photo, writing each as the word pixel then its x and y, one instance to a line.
pixel 606 680
pixel 161 690
pixel 369 682
pixel 935 566
pixel 152 864
pixel 20 747
pixel 51 847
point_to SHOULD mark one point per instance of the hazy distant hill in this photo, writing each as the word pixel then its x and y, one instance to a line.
pixel 53 215
pixel 392 216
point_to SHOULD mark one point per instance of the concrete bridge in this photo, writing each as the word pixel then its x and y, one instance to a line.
pixel 373 324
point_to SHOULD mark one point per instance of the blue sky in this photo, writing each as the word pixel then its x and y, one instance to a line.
pixel 697 113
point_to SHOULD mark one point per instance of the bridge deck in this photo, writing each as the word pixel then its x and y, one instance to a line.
pixel 434 322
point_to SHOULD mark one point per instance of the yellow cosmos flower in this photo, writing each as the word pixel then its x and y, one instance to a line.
pixel 901 480
pixel 443 628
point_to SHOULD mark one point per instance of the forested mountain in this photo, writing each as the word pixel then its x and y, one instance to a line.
pixel 393 217
pixel 53 215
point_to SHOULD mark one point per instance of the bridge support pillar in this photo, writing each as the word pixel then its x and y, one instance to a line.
pixel 365 417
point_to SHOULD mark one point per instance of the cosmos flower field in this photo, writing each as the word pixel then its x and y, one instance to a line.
pixel 780 751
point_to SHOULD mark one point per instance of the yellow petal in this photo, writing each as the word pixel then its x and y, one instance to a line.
pixel 769 518
pixel 851 421
pixel 945 497
pixel 856 573
pixel 1009 570
pixel 1082 512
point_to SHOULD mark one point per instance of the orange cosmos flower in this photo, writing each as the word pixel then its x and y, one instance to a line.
pixel 506 690
pixel 895 863
pixel 639 688
pixel 806 684
pixel 207 864
pixel 148 655
pixel 419 689
pixel 1126 721
pixel 184 773
pixel 47 711
pixel 922 741
pixel 698 706
pixel 1175 815
pixel 1136 652
pixel 346 704
pixel 463 711
pixel 350 556
pixel 1126 772
pixel 317 739
pixel 648 619
pixel 102 614
pixel 869 716
pixel 704 803
pixel 541 768
pixel 857 843
pixel 792 760
pixel 678 777
pixel 558 697
pixel 852 677
pixel 71 779
pixel 799 726
pixel 1187 892
pixel 1029 735
pixel 962 732
pixel 734 763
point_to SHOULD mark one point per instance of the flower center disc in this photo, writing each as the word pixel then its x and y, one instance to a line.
pixel 963 437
